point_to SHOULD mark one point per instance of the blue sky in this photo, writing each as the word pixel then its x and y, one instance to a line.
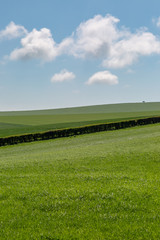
pixel 64 53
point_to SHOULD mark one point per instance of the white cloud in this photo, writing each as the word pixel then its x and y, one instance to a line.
pixel 103 77
pixel 65 47
pixel 63 76
pixel 13 31
pixel 158 22
pixel 36 45
pixel 97 38
pixel 128 50
pixel 101 38
pixel 94 37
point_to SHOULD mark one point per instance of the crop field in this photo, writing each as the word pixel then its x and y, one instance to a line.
pixel 17 123
pixel 97 186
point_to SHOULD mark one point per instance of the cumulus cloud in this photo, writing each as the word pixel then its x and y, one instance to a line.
pixel 63 76
pixel 103 77
pixel 12 31
pixel 97 38
pixel 36 45
pixel 126 51
pixel 158 22
pixel 100 37
pixel 66 46
pixel 94 37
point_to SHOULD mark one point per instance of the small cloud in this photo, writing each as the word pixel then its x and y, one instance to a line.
pixel 103 77
pixel 156 21
pixel 13 31
pixel 63 76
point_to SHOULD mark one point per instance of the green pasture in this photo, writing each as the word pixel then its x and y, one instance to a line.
pixel 16 123
pixel 106 108
pixel 97 186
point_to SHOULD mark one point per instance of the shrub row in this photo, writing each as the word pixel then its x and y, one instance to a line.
pixel 76 131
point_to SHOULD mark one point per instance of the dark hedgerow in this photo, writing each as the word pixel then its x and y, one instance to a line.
pixel 76 131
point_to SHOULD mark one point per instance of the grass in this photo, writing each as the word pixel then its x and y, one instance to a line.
pixel 17 123
pixel 63 121
pixel 106 108
pixel 96 186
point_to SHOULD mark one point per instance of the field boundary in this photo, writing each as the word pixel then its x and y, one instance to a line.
pixel 67 132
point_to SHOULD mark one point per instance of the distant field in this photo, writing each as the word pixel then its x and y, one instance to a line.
pixel 16 123
pixel 98 186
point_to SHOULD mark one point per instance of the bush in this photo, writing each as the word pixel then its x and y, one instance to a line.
pixel 76 131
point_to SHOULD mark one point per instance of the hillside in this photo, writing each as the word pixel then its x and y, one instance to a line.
pixel 21 122
pixel 105 108
pixel 95 186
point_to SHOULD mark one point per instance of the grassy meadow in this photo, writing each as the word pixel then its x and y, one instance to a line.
pixel 17 123
pixel 97 186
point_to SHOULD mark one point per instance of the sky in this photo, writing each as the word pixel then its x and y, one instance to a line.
pixel 68 53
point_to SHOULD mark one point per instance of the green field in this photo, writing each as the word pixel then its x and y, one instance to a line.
pixel 97 186
pixel 16 123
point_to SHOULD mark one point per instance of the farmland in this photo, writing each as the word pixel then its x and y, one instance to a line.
pixel 17 123
pixel 98 186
